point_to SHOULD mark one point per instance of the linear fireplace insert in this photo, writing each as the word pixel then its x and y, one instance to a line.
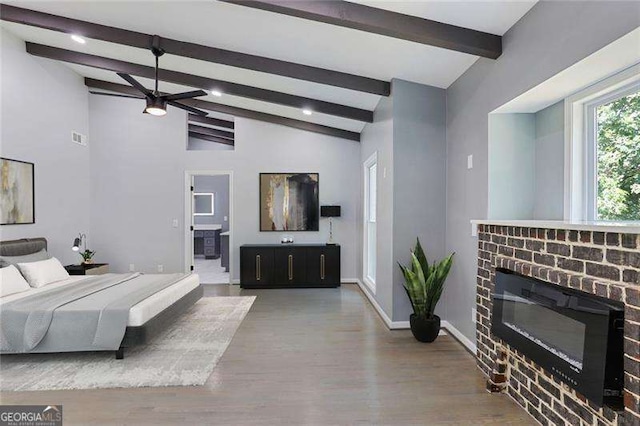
pixel 576 336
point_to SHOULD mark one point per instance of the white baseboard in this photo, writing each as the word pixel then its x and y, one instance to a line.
pixel 446 327
pixel 471 346
pixel 342 281
pixel 392 325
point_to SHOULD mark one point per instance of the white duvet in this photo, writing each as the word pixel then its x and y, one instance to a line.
pixel 140 313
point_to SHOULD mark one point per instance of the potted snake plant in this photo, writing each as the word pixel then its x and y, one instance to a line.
pixel 424 284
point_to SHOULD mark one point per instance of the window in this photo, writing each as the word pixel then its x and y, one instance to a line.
pixel 614 149
pixel 602 170
pixel 370 211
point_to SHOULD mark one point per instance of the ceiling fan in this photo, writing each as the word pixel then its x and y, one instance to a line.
pixel 157 103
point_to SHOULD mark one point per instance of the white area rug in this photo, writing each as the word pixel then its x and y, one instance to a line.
pixel 183 355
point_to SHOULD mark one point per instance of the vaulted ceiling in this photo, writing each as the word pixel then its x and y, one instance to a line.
pixel 362 51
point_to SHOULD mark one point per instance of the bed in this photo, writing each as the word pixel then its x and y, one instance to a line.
pixel 110 312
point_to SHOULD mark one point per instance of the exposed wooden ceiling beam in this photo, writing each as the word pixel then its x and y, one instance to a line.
pixel 195 51
pixel 235 111
pixel 211 121
pixel 384 22
pixel 211 138
pixel 191 80
pixel 211 132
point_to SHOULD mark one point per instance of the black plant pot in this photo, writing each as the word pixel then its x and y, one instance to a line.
pixel 425 329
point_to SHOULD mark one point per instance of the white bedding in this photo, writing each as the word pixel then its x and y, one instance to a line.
pixel 151 306
pixel 140 313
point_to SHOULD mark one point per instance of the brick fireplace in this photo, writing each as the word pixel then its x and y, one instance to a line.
pixel 606 264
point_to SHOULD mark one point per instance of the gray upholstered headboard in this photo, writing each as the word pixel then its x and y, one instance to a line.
pixel 22 247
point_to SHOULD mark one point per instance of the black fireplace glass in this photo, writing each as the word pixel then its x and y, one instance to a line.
pixel 575 336
pixel 559 334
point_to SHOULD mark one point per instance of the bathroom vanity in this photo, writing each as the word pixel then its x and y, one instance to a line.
pixel 206 241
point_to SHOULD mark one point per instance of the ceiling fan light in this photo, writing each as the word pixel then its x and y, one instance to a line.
pixel 156 106
pixel 155 111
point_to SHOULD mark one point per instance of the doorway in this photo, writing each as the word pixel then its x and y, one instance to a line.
pixel 208 236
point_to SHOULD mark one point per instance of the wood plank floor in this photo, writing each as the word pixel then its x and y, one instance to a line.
pixel 307 356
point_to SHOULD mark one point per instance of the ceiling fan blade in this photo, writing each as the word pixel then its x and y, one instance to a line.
pixel 132 81
pixel 116 95
pixel 185 95
pixel 188 108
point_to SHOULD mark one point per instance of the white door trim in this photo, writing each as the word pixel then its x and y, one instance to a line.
pixel 373 159
pixel 188 240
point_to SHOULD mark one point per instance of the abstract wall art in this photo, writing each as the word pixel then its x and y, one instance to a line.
pixel 289 202
pixel 17 192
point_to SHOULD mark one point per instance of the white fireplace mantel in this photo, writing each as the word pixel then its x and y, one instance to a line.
pixel 599 226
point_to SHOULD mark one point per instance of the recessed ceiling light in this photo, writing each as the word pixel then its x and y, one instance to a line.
pixel 307 111
pixel 216 93
pixel 78 39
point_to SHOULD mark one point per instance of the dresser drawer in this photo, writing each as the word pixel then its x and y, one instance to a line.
pixel 209 242
pixel 209 251
pixel 198 234
pixel 209 233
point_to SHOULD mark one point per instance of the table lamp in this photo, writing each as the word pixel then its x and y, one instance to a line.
pixel 330 212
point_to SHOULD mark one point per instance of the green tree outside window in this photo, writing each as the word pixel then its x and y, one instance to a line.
pixel 618 160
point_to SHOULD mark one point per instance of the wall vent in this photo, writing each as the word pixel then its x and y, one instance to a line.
pixel 78 138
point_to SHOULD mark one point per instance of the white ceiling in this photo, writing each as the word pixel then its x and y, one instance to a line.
pixel 495 17
pixel 277 36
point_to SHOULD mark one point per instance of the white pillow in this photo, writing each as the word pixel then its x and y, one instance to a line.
pixel 11 281
pixel 45 272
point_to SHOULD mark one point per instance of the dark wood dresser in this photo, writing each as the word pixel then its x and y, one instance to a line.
pixel 289 265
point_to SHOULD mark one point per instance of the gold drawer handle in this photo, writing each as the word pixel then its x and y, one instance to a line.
pixel 258 272
pixel 322 266
pixel 290 267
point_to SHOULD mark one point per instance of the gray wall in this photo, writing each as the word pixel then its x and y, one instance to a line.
pixel 218 185
pixel 549 163
pixel 419 172
pixel 408 133
pixel 526 164
pixel 378 137
pixel 137 185
pixel 138 165
pixel 512 159
pixel 32 134
pixel 551 37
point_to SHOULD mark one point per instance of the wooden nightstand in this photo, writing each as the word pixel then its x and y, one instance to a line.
pixel 88 269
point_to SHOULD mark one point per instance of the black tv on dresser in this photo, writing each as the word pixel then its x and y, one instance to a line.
pixel 575 336
pixel 289 265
